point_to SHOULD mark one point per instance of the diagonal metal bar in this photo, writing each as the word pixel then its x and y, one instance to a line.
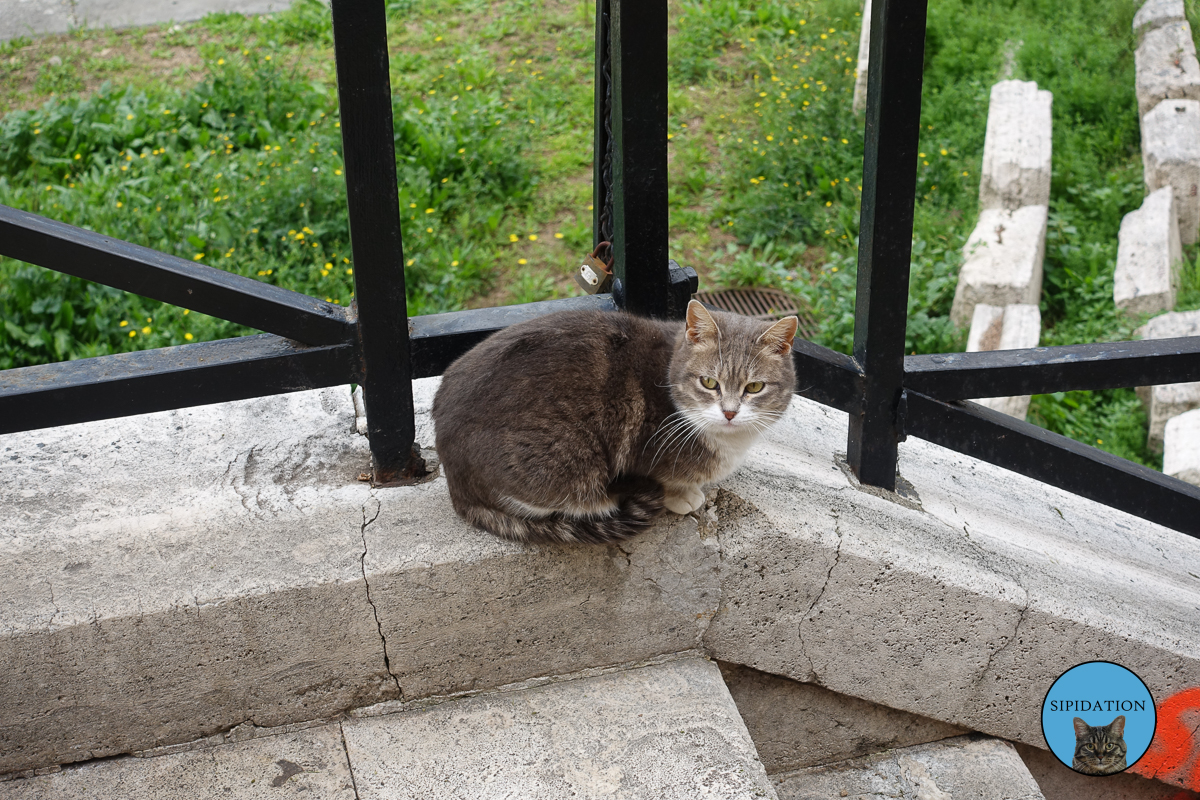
pixel 885 240
pixel 150 273
pixel 638 35
pixel 1037 453
pixel 827 376
pixel 1040 370
pixel 169 377
pixel 365 97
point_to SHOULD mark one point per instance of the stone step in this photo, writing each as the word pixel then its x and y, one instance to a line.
pixel 661 731
pixel 1016 147
pixel 1181 447
pixel 1165 65
pixel 1167 400
pixel 1171 157
pixel 1002 261
pixel 965 766
pixel 1014 327
pixel 1148 256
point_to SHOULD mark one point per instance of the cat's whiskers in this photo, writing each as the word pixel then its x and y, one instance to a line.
pixel 683 427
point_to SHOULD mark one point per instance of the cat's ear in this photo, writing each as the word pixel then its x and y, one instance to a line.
pixel 1081 728
pixel 1117 726
pixel 778 338
pixel 701 326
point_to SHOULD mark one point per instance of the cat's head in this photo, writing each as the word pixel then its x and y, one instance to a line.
pixel 1101 747
pixel 732 375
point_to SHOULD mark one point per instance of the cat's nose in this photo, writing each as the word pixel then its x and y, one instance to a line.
pixel 730 414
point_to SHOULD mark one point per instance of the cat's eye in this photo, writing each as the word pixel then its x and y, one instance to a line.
pixel 754 387
pixel 709 383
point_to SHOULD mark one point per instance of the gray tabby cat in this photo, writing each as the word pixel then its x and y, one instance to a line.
pixel 1099 750
pixel 582 426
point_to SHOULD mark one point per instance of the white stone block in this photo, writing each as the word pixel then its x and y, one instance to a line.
pixel 1148 256
pixel 1168 400
pixel 667 731
pixel 1014 327
pixel 1002 261
pixel 864 52
pixel 1155 14
pixel 1171 157
pixel 1181 447
pixel 1166 66
pixel 1016 149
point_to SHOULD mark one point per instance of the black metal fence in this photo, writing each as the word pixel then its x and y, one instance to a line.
pixel 311 344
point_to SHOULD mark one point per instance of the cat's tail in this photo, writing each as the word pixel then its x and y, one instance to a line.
pixel 641 500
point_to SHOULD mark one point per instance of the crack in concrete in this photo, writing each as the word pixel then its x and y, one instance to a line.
pixel 387 663
pixel 54 603
pixel 349 763
pixel 837 557
pixel 1012 638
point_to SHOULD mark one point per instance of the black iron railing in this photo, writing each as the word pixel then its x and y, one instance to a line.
pixel 311 344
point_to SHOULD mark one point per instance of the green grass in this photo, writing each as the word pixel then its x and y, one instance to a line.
pixel 492 106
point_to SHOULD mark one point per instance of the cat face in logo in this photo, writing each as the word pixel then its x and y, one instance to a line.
pixel 1099 749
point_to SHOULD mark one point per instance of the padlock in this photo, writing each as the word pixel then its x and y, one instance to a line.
pixel 593 276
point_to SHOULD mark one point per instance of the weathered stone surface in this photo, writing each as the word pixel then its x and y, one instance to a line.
pixel 1014 327
pixel 1168 400
pixel 1002 261
pixel 1181 447
pixel 817 585
pixel 1156 13
pixel 1166 66
pixel 796 725
pixel 162 574
pixel 310 764
pixel 1171 157
pixel 864 58
pixel 1148 256
pixel 953 768
pixel 1016 147
pixel 236 591
pixel 664 731
pixel 138 611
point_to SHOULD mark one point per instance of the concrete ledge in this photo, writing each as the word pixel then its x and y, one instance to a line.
pixel 175 575
pixel 1171 157
pixel 1148 256
pixel 40 17
pixel 963 767
pixel 1016 147
pixel 1002 261
pixel 1013 327
pixel 1166 66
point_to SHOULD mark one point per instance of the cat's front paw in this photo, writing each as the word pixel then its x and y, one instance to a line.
pixel 684 500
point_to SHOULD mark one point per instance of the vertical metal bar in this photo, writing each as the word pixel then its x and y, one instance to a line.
pixel 365 96
pixel 602 126
pixel 885 240
pixel 639 129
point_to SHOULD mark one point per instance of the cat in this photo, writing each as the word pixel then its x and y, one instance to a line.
pixel 1099 750
pixel 583 426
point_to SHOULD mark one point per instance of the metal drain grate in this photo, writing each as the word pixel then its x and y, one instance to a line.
pixel 761 303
